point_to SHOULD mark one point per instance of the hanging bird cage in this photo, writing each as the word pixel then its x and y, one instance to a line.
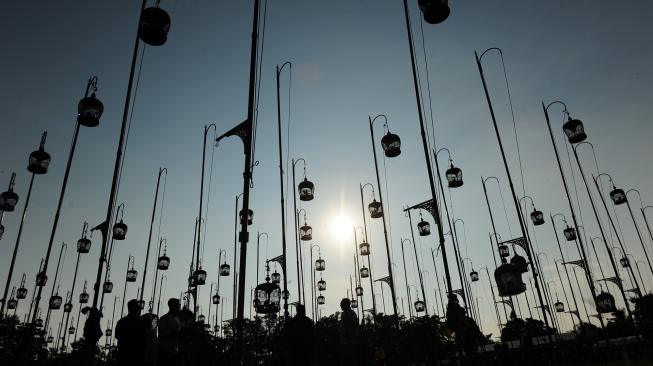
pixel 570 233
pixel 50 339
pixel 364 248
pixel 39 323
pixel 504 251
pixel 132 274
pixel 89 111
pixel 8 200
pixel 71 330
pixel 108 332
pixel 164 262
pixel 420 306
pixel 83 297
pixel 201 318
pixel 215 299
pixel 605 303
pixel 454 177
pixel 192 281
pixel 107 288
pixel 574 130
pixel 434 11
pixel 320 265
pixel 520 263
pixel 508 280
pixel 625 262
pixel 321 285
pixel 200 275
pixel 306 190
pixel 276 277
pixel 365 273
pixel 423 228
pixel 21 293
pixel 537 217
pixel 267 297
pixel 83 245
pixel 376 209
pixel 321 300
pixel 39 160
pixel 559 306
pixel 391 145
pixel 120 230
pixel 225 269
pixel 359 291
pixel 305 232
pixel 474 276
pixel 250 216
pixel 618 196
pixel 11 304
pixel 154 26
pixel 354 304
pixel 67 307
pixel 55 302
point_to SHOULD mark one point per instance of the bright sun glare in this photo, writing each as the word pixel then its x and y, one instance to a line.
pixel 341 227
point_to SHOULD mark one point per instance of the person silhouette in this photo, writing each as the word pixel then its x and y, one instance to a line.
pixel 300 338
pixel 151 348
pixel 130 333
pixel 169 334
pixel 349 333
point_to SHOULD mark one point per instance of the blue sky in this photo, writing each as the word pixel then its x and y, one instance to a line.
pixel 350 60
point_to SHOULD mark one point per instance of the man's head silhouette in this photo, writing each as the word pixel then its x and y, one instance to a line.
pixel 345 304
pixel 133 308
pixel 174 305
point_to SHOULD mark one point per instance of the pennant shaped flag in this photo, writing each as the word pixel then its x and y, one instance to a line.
pixel 386 279
pixel 613 279
pixel 240 130
pixel 580 263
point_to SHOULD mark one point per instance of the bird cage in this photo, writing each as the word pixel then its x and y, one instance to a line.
pixel 364 248
pixel 574 130
pixel 154 26
pixel 376 209
pixel 391 145
pixel 509 281
pixel 89 111
pixel 306 190
pixel 434 11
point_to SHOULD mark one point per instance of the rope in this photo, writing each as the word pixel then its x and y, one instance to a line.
pixel 505 212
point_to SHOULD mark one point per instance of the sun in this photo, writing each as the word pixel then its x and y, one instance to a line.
pixel 341 227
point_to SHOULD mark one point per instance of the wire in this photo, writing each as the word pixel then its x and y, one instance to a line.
pixel 208 201
pixel 258 91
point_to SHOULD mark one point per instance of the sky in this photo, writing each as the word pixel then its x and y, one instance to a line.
pixel 350 61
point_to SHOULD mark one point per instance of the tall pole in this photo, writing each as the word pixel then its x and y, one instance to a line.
pixel 235 284
pixel 298 247
pixel 573 321
pixel 149 238
pixel 437 281
pixel 156 274
pixel 403 257
pixel 425 145
pixel 571 288
pixel 54 284
pixel 124 291
pixel 282 202
pixel 639 234
pixel 369 257
pixel 108 261
pixel 421 280
pixel 117 167
pixel 494 299
pixel 648 228
pixel 72 293
pixel 512 187
pixel 385 226
pixel 598 223
pixel 20 229
pixel 91 84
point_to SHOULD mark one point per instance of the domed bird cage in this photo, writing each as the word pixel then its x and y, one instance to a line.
pixel 164 261
pixel 474 276
pixel 55 302
pixel 120 230
pixel 107 287
pixel 8 200
pixel 306 190
pixel 559 306
pixel 50 339
pixel 504 251
pixel 276 277
pixel 215 299
pixel 508 280
pixel 83 297
pixel 537 217
pixel 570 233
pixel 420 306
pixel 39 160
pixel 83 245
pixel 305 232
pixel 364 248
pixel 192 280
pixel 11 304
pixel 618 196
pixel 39 323
pixel 225 269
pixel 359 291
pixel 154 26
pixel 132 274
pixel 108 332
pixel 454 176
pixel 574 130
pixel 321 285
pixel 391 145
pixel 423 227
pixel 89 111
pixel 250 216
pixel 21 293
pixel 625 262
pixel 376 209
pixel 267 296
pixel 320 265
pixel 354 304
pixel 364 272
pixel 605 303
pixel 67 307
pixel 71 330
pixel 201 318
pixel 520 263
pixel 321 300
pixel 200 275
pixel 434 11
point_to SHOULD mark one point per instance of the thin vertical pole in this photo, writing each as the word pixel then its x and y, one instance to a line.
pixel 54 285
pixel 369 257
pixel 639 235
pixel 283 210
pixel 421 280
pixel 149 239
pixel 403 257
pixel 562 256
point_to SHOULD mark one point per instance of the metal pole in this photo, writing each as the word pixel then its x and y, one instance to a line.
pixel 494 299
pixel 421 281
pixel 72 293
pixel 437 281
pixel 571 288
pixel 369 257
pixel 235 284
pixel 565 294
pixel 54 284
pixel 283 210
pixel 639 235
pixel 298 247
pixel 149 239
pixel 403 257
